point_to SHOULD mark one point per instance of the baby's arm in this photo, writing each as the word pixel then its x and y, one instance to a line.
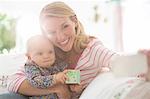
pixel 36 79
pixel 59 72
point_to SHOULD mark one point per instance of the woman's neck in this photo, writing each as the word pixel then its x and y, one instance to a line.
pixel 70 57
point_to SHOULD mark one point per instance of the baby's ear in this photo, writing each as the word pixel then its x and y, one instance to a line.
pixel 28 56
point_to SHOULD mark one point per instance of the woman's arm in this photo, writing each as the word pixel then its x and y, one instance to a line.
pixel 26 89
pixel 18 83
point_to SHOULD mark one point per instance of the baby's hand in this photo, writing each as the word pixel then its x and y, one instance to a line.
pixel 60 77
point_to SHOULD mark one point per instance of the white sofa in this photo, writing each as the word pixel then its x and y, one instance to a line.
pixel 10 63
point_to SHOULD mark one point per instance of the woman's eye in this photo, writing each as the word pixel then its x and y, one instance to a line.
pixel 65 26
pixel 52 33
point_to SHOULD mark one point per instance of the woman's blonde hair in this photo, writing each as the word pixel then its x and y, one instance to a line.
pixel 60 9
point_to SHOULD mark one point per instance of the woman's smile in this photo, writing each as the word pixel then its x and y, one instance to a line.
pixel 65 42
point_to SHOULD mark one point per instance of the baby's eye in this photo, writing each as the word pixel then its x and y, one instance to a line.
pixel 39 53
pixel 50 52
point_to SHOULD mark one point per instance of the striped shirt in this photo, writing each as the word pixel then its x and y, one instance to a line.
pixel 92 61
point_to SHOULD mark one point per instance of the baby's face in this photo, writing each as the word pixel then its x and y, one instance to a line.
pixel 42 53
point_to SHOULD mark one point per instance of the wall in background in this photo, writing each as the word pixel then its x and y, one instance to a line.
pixel 95 15
pixel 136 24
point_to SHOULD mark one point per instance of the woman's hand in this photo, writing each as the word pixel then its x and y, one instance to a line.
pixel 62 91
pixel 147 53
pixel 76 88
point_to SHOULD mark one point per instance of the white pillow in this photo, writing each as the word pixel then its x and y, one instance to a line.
pixel 97 86
pixel 9 64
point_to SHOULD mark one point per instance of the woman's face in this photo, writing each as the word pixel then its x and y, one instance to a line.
pixel 61 31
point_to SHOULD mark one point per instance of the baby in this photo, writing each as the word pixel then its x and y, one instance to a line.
pixel 41 69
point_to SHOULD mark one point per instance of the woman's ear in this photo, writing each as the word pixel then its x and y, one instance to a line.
pixel 74 19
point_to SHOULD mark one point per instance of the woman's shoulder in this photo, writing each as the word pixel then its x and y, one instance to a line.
pixel 94 41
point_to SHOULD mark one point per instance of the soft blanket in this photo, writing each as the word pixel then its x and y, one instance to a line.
pixel 107 86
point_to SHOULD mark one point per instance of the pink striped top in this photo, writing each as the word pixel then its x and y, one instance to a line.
pixel 92 61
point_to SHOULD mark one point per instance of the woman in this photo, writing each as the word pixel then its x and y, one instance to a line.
pixel 60 24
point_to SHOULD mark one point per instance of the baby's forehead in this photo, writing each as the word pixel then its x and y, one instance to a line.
pixel 38 40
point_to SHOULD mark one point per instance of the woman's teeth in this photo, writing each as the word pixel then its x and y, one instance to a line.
pixel 64 42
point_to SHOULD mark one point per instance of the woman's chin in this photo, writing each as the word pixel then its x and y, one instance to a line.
pixel 67 49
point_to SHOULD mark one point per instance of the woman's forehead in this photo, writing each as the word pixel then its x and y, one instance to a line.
pixel 52 22
pixel 55 19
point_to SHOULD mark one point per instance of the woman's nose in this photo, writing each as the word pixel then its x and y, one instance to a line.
pixel 60 36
